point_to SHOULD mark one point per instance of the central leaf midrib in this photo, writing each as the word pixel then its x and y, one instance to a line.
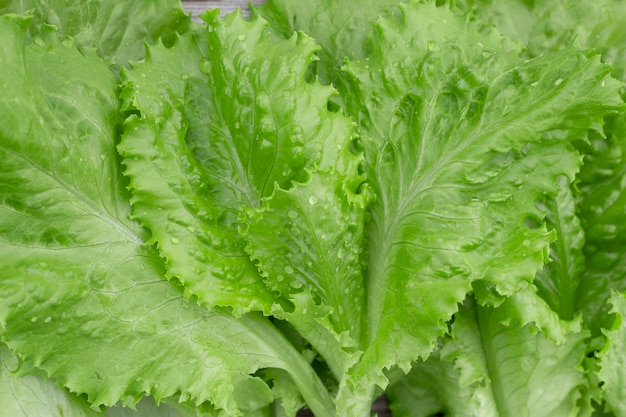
pixel 566 291
pixel 391 227
pixel 424 183
pixel 494 381
pixel 414 190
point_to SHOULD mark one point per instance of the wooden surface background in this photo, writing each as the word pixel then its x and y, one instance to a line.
pixel 226 6
pixel 380 407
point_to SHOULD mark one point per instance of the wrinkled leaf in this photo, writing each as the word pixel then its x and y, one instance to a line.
pixel 612 361
pixel 117 29
pixel 487 369
pixel 83 295
pixel 339 27
pixel 465 138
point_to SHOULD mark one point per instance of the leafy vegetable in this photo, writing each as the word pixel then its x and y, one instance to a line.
pixel 118 29
pixel 311 207
pixel 490 369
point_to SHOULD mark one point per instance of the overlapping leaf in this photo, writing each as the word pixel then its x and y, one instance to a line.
pixel 248 181
pixel 119 30
pixel 34 396
pixel 308 242
pixel 602 184
pixel 465 138
pixel 195 234
pixel 29 394
pixel 339 27
pixel 552 25
pixel 234 125
pixel 612 362
pixel 559 280
pixel 489 369
pixel 83 296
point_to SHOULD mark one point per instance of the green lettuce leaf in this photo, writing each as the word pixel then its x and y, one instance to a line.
pixel 485 368
pixel 339 27
pixel 546 25
pixel 222 134
pixel 83 294
pixel 612 361
pixel 212 132
pixel 464 139
pixel 27 393
pixel 307 241
pixel 35 396
pixel 559 280
pixel 119 30
pixel 195 234
pixel 552 25
pixel 602 186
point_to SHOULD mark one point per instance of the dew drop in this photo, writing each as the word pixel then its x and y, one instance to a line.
pixel 558 82
pixel 313 200
pixel 526 243
pixel 48 319
pixel 288 269
pixel 241 37
pixel 292 214
pixel 433 46
pixel 205 65
pixel 175 240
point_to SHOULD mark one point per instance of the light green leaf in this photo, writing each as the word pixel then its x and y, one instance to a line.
pixel 602 209
pixel 35 396
pixel 560 278
pixel 83 294
pixel 260 112
pixel 231 126
pixel 423 391
pixel 612 360
pixel 339 27
pixel 308 243
pixel 195 234
pixel 547 25
pixel 118 29
pixel 465 138
pixel 30 394
pixel 488 369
